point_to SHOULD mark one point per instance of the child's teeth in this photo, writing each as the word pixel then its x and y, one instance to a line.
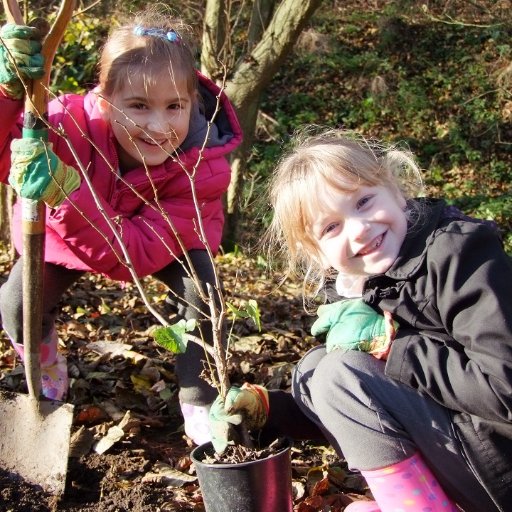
pixel 376 245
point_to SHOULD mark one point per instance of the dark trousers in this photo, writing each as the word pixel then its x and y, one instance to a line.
pixel 374 421
pixel 183 297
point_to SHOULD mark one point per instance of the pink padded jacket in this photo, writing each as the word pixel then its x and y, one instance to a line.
pixel 77 234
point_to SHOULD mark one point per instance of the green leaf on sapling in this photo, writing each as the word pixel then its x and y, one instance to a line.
pixel 173 337
pixel 249 310
pixel 237 313
pixel 253 310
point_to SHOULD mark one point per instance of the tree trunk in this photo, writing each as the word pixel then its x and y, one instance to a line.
pixel 248 118
pixel 214 40
pixel 250 78
pixel 6 202
pixel 261 15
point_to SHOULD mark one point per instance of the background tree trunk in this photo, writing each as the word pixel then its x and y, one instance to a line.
pixel 273 30
pixel 214 39
pixel 262 11
pixel 6 201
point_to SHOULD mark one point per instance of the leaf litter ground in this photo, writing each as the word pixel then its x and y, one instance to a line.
pixel 128 449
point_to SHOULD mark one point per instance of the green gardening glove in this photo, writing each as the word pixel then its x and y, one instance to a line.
pixel 20 58
pixel 248 404
pixel 37 172
pixel 352 324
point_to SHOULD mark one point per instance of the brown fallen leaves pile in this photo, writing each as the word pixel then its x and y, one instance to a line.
pixel 128 450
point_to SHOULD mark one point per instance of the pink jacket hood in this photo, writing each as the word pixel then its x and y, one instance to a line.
pixel 145 211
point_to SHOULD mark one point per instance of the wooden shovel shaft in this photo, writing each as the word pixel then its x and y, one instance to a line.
pixel 12 12
pixel 33 211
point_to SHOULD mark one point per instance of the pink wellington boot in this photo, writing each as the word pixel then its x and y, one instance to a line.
pixel 363 506
pixel 196 422
pixel 54 368
pixel 408 485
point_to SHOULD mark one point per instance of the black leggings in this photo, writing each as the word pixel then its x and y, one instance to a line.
pixel 183 296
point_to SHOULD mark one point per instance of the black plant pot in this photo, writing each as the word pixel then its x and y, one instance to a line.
pixel 258 486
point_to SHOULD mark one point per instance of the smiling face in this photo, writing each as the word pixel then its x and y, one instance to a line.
pixel 150 120
pixel 360 232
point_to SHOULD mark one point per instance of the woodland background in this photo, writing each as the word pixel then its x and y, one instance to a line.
pixel 435 74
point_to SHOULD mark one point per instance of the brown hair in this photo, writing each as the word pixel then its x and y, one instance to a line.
pixel 151 43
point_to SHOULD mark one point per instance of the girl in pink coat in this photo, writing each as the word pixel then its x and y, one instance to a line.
pixel 150 124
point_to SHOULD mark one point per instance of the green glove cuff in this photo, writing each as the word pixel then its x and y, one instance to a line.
pixel 37 173
pixel 64 181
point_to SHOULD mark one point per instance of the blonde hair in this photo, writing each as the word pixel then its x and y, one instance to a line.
pixel 342 160
pixel 141 47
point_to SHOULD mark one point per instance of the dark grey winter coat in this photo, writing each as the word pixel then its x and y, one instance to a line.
pixel 450 290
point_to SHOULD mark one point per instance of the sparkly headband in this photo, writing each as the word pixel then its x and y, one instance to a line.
pixel 171 35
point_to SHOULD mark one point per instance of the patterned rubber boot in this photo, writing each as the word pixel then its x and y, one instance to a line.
pixel 406 486
pixel 54 368
pixel 197 425
pixel 363 506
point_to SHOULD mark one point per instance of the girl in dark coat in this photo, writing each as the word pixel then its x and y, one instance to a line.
pixel 413 385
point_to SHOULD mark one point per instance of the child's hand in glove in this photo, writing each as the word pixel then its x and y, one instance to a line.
pixel 248 404
pixel 20 58
pixel 352 324
pixel 37 172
